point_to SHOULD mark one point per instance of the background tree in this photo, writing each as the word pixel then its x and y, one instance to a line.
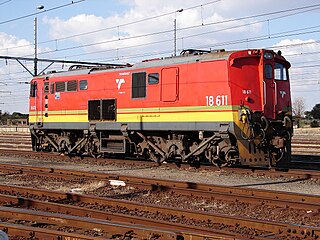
pixel 308 115
pixel 7 118
pixel 298 109
pixel 315 112
pixel 4 117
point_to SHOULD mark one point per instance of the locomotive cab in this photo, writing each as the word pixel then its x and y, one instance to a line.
pixel 276 86
pixel 261 87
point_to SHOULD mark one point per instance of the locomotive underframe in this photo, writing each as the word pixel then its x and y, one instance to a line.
pixel 181 146
pixel 268 145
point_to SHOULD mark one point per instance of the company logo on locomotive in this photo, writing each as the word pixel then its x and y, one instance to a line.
pixel 120 82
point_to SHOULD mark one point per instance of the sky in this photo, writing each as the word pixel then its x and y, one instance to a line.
pixel 128 31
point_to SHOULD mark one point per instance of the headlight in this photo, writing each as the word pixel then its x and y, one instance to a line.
pixel 268 55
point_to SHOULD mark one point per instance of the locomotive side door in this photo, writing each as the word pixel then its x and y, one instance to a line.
pixel 41 104
pixel 169 84
pixel 282 88
pixel 269 91
pixel 276 89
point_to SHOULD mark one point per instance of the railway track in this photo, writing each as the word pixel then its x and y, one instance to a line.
pixel 299 170
pixel 99 225
pixel 305 146
pixel 103 210
pixel 185 188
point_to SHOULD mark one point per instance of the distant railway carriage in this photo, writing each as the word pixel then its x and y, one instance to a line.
pixel 222 107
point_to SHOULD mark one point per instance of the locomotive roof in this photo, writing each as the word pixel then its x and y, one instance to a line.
pixel 195 56
pixel 183 59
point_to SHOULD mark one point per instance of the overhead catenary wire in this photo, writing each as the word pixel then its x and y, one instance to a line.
pixel 162 41
pixel 131 23
pixel 294 9
pixel 316 6
pixel 237 41
pixel 265 37
pixel 165 51
pixel 258 38
pixel 222 43
pixel 313 7
pixel 116 26
pixel 4 2
pixel 46 10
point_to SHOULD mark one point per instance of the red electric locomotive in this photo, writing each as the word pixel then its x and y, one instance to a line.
pixel 224 107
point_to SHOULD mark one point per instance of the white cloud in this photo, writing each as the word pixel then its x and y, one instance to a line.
pixel 295 46
pixel 80 23
pixel 13 46
pixel 142 9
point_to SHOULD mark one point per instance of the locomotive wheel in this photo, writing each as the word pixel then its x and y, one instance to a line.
pixel 92 148
pixel 156 157
pixel 96 155
pixel 95 152
pixel 220 164
pixel 277 156
pixel 284 161
pixel 64 145
pixel 195 162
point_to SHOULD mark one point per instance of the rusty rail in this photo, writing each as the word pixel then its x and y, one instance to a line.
pixel 277 198
pixel 236 223
pixel 118 219
pixel 40 233
pixel 82 224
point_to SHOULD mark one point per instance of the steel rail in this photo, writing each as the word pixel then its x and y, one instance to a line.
pixel 184 230
pixel 85 223
pixel 274 228
pixel 40 233
pixel 251 195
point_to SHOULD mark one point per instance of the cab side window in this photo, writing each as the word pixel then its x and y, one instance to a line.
pixel 33 89
pixel 153 78
pixel 83 85
pixel 268 71
pixel 139 85
pixel 46 88
pixel 51 88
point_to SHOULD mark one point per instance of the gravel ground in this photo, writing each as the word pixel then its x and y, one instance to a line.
pixel 192 175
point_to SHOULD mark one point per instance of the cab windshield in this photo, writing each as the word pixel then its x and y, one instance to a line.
pixel 280 72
